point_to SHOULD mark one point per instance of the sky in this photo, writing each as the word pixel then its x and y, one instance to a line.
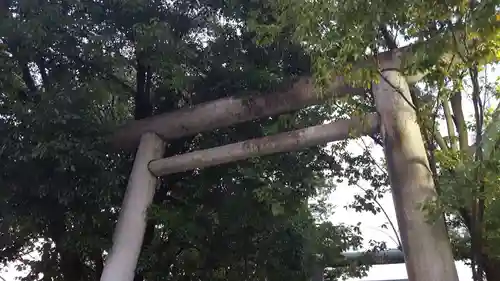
pixel 370 227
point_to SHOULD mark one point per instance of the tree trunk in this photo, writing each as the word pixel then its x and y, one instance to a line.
pixel 426 246
pixel 318 273
pixel 492 269
pixel 131 225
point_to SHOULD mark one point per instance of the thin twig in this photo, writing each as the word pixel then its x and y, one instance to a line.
pixel 386 216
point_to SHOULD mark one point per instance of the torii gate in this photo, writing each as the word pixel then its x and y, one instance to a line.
pixel 427 250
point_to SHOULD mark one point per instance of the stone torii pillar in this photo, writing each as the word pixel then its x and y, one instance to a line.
pixel 129 232
pixel 412 182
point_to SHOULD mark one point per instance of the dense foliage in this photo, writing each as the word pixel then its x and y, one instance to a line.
pixel 71 71
pixel 74 70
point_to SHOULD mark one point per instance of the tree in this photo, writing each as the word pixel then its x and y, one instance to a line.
pixel 461 166
pixel 338 34
pixel 72 71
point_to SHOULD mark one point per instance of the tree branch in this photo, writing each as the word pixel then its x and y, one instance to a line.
pixel 449 125
pixel 390 41
pixel 440 140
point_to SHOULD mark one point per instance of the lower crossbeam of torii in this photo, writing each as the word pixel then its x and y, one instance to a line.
pixel 426 247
